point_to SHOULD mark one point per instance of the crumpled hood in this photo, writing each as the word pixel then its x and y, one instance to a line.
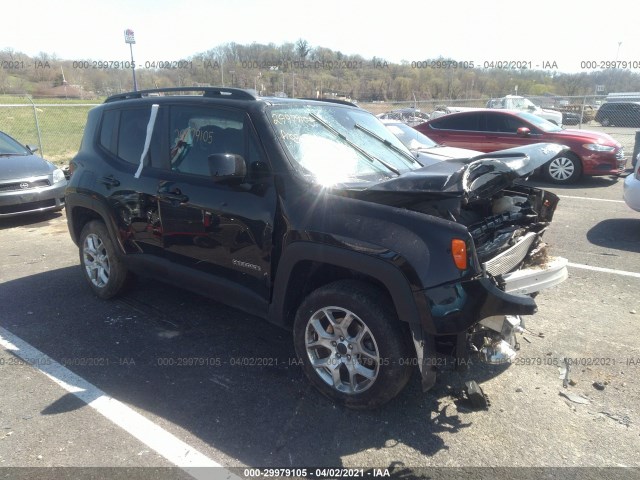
pixel 481 177
pixel 428 156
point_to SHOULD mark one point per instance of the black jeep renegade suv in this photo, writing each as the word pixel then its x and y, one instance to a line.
pixel 312 215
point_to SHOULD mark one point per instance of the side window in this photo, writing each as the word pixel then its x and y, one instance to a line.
pixel 123 133
pixel 197 132
pixel 510 124
pixel 495 123
pixel 458 122
pixel 132 133
pixel 108 132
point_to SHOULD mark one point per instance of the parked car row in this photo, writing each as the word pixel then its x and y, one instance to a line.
pixel 487 130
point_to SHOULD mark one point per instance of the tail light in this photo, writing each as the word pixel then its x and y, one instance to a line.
pixel 459 253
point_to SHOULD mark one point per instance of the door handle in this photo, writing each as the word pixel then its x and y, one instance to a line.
pixel 110 181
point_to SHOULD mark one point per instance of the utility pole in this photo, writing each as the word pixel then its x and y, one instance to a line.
pixel 130 39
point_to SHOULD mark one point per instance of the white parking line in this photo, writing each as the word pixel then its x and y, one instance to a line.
pixel 605 270
pixel 152 435
pixel 591 198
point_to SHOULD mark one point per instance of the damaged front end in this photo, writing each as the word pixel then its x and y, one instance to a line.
pixel 507 229
pixel 480 311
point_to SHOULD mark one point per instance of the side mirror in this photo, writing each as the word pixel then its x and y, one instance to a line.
pixel 532 108
pixel 32 148
pixel 523 132
pixel 227 168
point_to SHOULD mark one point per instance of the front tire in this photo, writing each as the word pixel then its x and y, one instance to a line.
pixel 351 344
pixel 104 270
pixel 564 169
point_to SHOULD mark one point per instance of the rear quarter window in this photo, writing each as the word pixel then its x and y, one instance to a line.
pixel 123 133
pixel 132 133
pixel 108 132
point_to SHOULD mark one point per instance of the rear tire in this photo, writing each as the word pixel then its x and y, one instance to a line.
pixel 352 345
pixel 103 268
pixel 564 169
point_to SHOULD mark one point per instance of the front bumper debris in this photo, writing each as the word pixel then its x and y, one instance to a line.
pixel 501 346
pixel 533 279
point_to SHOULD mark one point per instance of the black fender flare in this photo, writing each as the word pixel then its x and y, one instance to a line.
pixel 76 199
pixel 411 306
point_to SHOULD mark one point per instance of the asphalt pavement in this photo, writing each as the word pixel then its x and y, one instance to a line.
pixel 181 368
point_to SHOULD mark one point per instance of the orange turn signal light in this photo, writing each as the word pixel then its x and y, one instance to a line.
pixel 459 253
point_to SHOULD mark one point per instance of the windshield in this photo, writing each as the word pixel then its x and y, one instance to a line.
pixel 539 122
pixel 8 146
pixel 333 145
pixel 410 137
pixel 523 104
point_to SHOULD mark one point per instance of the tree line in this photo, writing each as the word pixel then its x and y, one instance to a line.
pixel 298 69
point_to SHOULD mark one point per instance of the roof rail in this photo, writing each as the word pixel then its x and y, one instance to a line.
pixel 224 92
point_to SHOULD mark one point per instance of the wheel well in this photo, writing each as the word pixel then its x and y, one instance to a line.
pixel 567 153
pixel 80 217
pixel 308 276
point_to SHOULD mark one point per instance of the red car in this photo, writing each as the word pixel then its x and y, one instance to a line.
pixel 487 130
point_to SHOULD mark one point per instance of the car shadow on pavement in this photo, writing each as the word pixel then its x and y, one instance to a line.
pixel 617 233
pixel 230 379
pixel 29 220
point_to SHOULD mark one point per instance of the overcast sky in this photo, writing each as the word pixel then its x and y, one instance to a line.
pixel 566 32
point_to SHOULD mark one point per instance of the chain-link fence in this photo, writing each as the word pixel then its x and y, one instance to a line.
pixel 54 126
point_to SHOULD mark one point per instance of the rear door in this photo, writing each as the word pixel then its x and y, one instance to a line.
pixel 132 201
pixel 462 130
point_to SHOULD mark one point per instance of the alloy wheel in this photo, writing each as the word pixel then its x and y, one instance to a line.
pixel 342 350
pixel 96 260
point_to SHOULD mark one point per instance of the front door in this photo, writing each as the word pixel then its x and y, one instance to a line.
pixel 501 130
pixel 219 230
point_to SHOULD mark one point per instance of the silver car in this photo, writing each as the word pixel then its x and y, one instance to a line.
pixel 28 183
pixel 631 191
pixel 427 151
